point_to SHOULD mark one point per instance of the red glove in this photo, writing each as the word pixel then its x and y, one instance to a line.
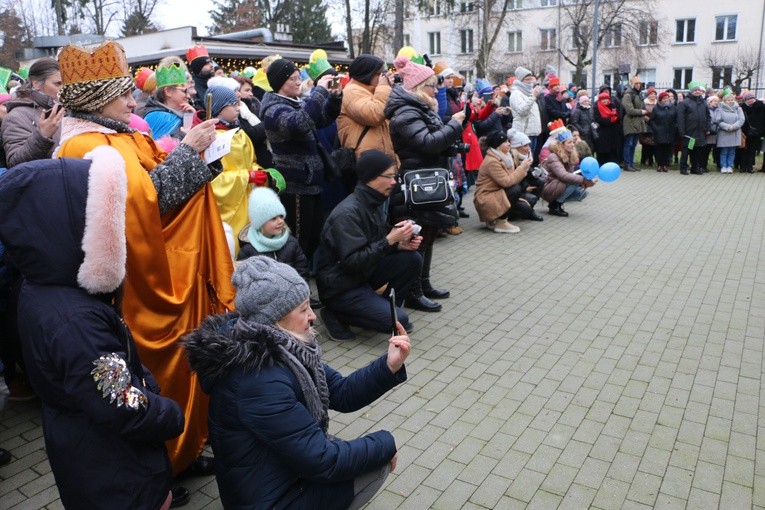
pixel 258 177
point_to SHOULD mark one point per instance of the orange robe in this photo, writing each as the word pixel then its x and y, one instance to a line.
pixel 178 271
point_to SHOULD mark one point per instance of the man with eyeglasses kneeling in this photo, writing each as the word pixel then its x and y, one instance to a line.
pixel 361 258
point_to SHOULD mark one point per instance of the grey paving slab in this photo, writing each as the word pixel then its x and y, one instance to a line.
pixel 611 359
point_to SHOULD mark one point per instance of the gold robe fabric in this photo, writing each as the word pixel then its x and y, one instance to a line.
pixel 178 272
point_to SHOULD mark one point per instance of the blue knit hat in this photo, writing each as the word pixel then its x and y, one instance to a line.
pixel 263 205
pixel 221 98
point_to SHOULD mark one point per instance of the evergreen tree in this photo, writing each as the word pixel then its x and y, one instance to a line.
pixel 12 38
pixel 310 28
pixel 234 16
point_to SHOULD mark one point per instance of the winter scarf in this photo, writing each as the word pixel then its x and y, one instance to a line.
pixel 506 159
pixel 304 360
pixel 524 87
pixel 607 112
pixel 267 244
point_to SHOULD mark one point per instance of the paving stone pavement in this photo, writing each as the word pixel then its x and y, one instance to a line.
pixel 611 359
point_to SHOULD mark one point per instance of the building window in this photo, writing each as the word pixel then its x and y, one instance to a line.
pixel 514 4
pixel 407 40
pixel 435 43
pixel 467 6
pixel 608 79
pixel 613 38
pixel 647 76
pixel 685 31
pixel 683 77
pixel 468 75
pixel 547 39
pixel 649 31
pixel 514 42
pixel 435 8
pixel 725 28
pixel 547 3
pixel 722 76
pixel 466 41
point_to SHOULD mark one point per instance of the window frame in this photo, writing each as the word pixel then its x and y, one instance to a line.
pixel 651 33
pixel 685 31
pixel 552 42
pixel 434 37
pixel 466 44
pixel 681 84
pixel 516 36
pixel 726 27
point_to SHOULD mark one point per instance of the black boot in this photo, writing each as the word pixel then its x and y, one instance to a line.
pixel 556 209
pixel 417 300
pixel 427 289
pixel 525 211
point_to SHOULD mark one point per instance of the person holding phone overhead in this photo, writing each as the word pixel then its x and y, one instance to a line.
pixel 32 127
pixel 270 394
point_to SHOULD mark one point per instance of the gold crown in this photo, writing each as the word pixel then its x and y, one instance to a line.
pixel 81 65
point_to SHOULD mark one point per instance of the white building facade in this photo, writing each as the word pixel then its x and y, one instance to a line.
pixel 706 40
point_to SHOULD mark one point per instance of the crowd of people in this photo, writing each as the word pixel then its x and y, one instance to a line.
pixel 184 206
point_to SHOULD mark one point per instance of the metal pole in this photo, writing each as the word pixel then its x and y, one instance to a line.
pixel 595 49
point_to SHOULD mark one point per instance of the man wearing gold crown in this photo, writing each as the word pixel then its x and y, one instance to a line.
pixel 178 264
pixel 165 108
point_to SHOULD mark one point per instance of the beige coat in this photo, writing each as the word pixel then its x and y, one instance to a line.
pixel 364 105
pixel 494 177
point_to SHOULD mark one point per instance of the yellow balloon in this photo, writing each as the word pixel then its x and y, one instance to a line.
pixel 318 55
pixel 408 52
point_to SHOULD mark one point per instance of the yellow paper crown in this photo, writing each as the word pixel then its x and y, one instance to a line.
pixel 172 75
pixel 80 65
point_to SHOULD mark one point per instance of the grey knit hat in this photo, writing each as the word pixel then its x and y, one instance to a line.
pixel 521 73
pixel 267 290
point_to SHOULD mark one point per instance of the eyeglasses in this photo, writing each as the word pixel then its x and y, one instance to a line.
pixel 296 79
pixel 392 177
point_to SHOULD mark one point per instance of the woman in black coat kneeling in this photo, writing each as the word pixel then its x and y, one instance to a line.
pixel 270 394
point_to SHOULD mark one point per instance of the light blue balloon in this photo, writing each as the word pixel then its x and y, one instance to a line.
pixel 609 172
pixel 589 167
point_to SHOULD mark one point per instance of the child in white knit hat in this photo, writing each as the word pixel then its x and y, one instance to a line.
pixel 268 234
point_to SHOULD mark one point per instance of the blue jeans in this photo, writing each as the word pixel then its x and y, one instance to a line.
pixel 364 308
pixel 572 192
pixel 727 155
pixel 630 142
pixel 533 144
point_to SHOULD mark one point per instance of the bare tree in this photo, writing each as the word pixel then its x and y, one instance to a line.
pixel 137 17
pixel 622 23
pixel 742 65
pixel 101 14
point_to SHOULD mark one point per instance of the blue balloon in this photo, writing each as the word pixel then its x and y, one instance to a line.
pixel 609 172
pixel 589 167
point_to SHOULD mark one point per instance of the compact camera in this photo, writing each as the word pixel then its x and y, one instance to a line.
pixel 415 230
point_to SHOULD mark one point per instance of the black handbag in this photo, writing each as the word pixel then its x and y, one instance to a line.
pixel 342 160
pixel 427 188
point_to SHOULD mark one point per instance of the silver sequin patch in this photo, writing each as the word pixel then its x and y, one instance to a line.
pixel 112 378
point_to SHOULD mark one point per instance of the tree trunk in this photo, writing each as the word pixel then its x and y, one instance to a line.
pixel 349 29
pixel 366 46
pixel 60 17
pixel 398 27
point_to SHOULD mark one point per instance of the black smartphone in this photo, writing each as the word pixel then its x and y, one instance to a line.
pixel 393 312
pixel 53 110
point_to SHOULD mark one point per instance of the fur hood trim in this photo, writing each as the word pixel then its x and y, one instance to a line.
pixel 215 349
pixel 103 241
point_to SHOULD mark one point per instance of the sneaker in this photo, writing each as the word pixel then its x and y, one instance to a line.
pixel 454 230
pixel 505 227
pixel 336 330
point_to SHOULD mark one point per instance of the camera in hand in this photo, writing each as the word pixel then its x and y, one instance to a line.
pixel 458 148
pixel 397 78
pixel 416 230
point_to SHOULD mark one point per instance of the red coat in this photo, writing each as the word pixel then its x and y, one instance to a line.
pixel 474 157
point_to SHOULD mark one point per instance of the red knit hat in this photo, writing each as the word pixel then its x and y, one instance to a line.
pixel 604 95
pixel 663 95
pixel 554 80
pixel 412 74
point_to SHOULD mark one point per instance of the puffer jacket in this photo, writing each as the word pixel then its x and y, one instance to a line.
pixel 582 119
pixel 663 123
pixel 728 117
pixel 632 108
pixel 419 137
pixel 526 117
pixel 364 106
pixel 559 175
pixel 20 133
pixel 270 452
pixel 755 119
pixel 291 126
pixel 162 120
pixel 693 119
pixel 352 243
pixel 421 140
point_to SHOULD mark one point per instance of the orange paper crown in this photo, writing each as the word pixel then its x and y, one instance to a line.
pixel 196 51
pixel 145 80
pixel 81 65
pixel 556 126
